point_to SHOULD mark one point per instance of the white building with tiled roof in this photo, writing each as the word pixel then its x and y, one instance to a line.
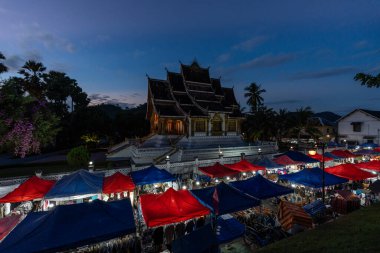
pixel 360 126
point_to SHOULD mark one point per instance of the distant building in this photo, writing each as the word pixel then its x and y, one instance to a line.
pixel 192 103
pixel 360 126
pixel 327 124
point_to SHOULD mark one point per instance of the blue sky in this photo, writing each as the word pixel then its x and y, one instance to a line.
pixel 304 53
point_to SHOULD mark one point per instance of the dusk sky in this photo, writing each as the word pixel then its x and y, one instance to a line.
pixel 304 53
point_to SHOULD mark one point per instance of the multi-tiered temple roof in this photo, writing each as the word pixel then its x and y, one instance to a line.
pixel 190 93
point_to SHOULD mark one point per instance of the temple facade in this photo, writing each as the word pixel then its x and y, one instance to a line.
pixel 192 103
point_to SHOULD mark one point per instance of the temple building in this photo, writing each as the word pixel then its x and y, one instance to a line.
pixel 192 103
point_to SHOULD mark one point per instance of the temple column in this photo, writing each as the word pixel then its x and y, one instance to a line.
pixel 209 127
pixel 224 125
pixel 189 128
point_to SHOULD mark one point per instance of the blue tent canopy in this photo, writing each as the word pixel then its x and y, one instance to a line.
pixel 228 229
pixel 223 199
pixel 261 188
pixel 202 240
pixel 300 157
pixel 315 208
pixel 265 162
pixel 151 175
pixel 313 178
pixel 71 226
pixel 78 183
pixel 369 145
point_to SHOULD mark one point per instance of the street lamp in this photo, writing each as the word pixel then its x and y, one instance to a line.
pixel 313 152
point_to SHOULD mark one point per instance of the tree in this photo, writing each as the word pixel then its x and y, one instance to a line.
pixel 33 73
pixel 78 157
pixel 301 124
pixel 26 124
pixel 260 126
pixel 253 93
pixel 368 80
pixel 3 68
pixel 281 124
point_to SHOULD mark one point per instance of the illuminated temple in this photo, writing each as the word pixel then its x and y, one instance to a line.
pixel 192 103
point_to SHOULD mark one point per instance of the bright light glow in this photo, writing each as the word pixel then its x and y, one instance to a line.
pixel 156 186
pixel 228 178
pixel 312 152
pixel 244 174
pixel 216 180
pixel 293 186
pixel 90 200
pixel 259 149
pixel 90 162
pixel 167 157
pixel 374 172
pixel 184 187
pixel 51 205
pixel 197 183
pixel 220 152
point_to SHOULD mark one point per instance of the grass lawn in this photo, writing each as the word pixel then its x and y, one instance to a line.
pixel 356 232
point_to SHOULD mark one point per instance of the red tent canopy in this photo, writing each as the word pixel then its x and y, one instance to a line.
pixel 218 170
pixel 118 182
pixel 285 160
pixel 33 188
pixel 319 157
pixel 343 153
pixel 349 171
pixel 372 165
pixel 244 166
pixel 7 224
pixel 170 207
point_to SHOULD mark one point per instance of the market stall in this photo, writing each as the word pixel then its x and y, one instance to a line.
pixel 223 199
pixel 76 186
pixel 151 175
pixel 201 240
pixel 293 218
pixel 371 165
pixel 313 178
pixel 218 171
pixel 261 188
pixel 170 207
pixel 349 171
pixel 345 202
pixel 228 229
pixel 120 185
pixel 33 188
pixel 7 224
pixel 71 226
pixel 244 166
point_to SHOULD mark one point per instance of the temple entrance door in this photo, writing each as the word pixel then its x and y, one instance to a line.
pixel 179 127
pixel 216 125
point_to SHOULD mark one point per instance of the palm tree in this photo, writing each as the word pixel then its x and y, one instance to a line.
pixel 253 93
pixel 3 68
pixel 368 80
pixel 33 73
pixel 302 125
pixel 281 124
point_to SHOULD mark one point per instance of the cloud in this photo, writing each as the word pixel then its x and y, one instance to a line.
pixel 268 60
pixel 249 44
pixel 367 53
pixel 14 62
pixel 138 53
pixel 361 44
pixel 121 100
pixel 223 57
pixel 32 34
pixel 323 73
